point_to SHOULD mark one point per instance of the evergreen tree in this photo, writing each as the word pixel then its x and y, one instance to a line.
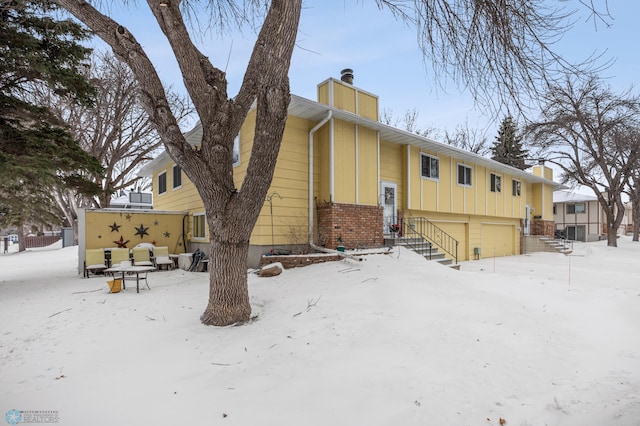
pixel 507 147
pixel 37 152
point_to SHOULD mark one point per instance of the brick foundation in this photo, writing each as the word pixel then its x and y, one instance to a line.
pixel 297 261
pixel 350 225
pixel 543 228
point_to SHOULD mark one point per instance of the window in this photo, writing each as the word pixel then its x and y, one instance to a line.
pixel 576 208
pixel 496 183
pixel 429 166
pixel 177 176
pixel 576 233
pixel 464 175
pixel 236 151
pixel 516 188
pixel 554 209
pixel 162 183
pixel 198 225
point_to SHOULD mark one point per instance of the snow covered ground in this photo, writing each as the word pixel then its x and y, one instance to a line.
pixel 540 339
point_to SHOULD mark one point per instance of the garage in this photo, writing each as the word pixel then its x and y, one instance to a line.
pixel 457 230
pixel 498 240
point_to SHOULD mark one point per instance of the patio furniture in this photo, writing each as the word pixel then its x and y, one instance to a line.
pixel 94 261
pixel 119 255
pixel 128 270
pixel 161 257
pixel 142 256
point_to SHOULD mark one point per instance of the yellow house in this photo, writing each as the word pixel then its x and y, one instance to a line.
pixel 344 178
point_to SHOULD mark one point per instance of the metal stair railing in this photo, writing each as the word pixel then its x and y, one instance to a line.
pixel 427 230
pixel 411 239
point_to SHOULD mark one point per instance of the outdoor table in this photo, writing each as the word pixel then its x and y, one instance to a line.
pixel 132 270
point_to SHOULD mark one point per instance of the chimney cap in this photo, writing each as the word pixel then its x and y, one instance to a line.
pixel 346 75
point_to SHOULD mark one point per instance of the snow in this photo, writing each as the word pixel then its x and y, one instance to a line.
pixel 539 339
pixel 569 197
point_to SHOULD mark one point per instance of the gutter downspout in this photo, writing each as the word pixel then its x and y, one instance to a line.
pixel 311 132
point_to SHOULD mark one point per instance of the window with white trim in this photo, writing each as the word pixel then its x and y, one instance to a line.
pixel 162 182
pixel 496 183
pixel 464 175
pixel 177 176
pixel 199 226
pixel 429 166
pixel 576 208
pixel 516 187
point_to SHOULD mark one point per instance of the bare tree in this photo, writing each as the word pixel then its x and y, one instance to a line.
pixel 486 44
pixel 582 129
pixel 115 130
pixel 467 138
pixel 408 122
pixel 633 186
pixel 634 198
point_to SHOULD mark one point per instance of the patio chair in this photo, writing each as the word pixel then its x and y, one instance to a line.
pixel 94 261
pixel 142 257
pixel 119 255
pixel 161 257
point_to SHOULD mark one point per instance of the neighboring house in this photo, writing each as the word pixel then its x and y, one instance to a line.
pixel 343 178
pixel 581 217
pixel 127 199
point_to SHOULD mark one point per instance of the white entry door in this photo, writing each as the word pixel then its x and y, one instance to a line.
pixel 389 199
pixel 527 219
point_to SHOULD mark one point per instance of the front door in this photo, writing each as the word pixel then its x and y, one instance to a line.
pixel 389 198
pixel 527 219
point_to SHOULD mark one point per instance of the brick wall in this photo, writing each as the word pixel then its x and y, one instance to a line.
pixel 357 226
pixel 289 262
pixel 542 227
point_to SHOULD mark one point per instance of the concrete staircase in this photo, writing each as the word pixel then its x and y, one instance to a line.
pixel 561 246
pixel 423 248
pixel 537 243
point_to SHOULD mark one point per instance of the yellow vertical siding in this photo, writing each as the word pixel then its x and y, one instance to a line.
pixel 344 97
pixel 323 93
pixel 322 163
pixel 368 105
pixel 103 228
pixel 414 187
pixel 367 167
pixel 391 168
pixel 349 98
pixel 284 220
pixel 344 160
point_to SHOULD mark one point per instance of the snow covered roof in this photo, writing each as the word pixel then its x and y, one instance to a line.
pixel 572 197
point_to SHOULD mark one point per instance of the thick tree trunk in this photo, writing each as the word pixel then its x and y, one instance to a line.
pixel 612 237
pixel 228 292
pixel 635 217
pixel 614 212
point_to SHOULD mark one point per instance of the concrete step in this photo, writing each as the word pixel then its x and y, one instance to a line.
pixel 419 246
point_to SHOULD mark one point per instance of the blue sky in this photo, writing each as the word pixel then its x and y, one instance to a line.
pixel 385 57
